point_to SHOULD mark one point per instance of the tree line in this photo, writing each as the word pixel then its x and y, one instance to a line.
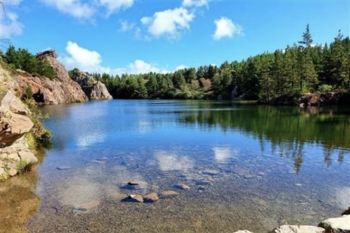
pixel 24 60
pixel 269 77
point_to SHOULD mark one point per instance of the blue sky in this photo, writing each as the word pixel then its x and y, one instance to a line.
pixel 160 35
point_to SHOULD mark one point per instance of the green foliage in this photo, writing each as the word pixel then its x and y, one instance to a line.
pixel 278 77
pixel 22 166
pixel 325 88
pixel 39 135
pixel 24 60
pixel 28 93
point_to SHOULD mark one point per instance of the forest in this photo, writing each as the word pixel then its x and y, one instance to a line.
pixel 284 74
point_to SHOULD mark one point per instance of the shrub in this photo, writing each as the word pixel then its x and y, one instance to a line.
pixel 325 88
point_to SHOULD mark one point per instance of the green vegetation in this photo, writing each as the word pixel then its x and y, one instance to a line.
pixel 281 76
pixel 24 60
pixel 22 166
pixel 40 136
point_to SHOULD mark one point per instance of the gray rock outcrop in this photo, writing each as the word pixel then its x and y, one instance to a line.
pixel 95 90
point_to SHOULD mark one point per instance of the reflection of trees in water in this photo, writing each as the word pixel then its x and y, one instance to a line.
pixel 288 129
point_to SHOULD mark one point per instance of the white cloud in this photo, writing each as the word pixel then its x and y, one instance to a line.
pixel 9 24
pixel 86 9
pixel 91 61
pixel 169 22
pixel 126 26
pixel 225 28
pixel 194 3
pixel 115 5
pixel 81 58
pixel 139 67
pixel 169 161
pixel 74 8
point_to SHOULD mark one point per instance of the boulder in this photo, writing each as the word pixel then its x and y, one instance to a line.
pixel 99 92
pixel 136 198
pixel 95 90
pixel 151 197
pixel 15 123
pixel 298 229
pixel 337 225
pixel 14 119
pixel 183 186
pixel 243 231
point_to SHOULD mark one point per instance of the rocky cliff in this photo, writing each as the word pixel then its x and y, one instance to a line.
pixel 95 90
pixel 59 90
pixel 16 126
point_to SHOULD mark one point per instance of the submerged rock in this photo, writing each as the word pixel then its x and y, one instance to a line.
pixel 62 168
pixel 211 172
pixel 183 186
pixel 151 197
pixel 298 229
pixel 134 182
pixel 135 198
pixel 337 225
pixel 204 182
pixel 168 194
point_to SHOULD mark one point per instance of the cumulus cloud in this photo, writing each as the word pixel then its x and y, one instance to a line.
pixel 169 22
pixel 226 28
pixel 115 5
pixel 194 3
pixel 86 9
pixel 81 58
pixel 91 61
pixel 139 67
pixel 75 8
pixel 9 23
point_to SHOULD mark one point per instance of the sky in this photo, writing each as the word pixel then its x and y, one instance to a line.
pixel 137 36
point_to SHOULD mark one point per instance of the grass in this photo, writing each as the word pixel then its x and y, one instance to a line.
pixel 22 166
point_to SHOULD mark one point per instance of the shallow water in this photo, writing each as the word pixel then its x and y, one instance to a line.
pixel 249 167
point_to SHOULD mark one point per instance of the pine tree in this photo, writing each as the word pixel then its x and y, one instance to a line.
pixel 307 38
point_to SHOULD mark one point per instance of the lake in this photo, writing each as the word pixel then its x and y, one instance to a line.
pixel 247 166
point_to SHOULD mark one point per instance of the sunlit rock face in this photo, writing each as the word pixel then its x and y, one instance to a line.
pixel 59 90
pixel 298 229
pixel 95 90
pixel 15 123
pixel 337 225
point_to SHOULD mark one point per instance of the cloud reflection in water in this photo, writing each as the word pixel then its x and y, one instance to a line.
pixel 169 161
pixel 223 154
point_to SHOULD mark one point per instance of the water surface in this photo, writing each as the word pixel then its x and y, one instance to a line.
pixel 249 167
